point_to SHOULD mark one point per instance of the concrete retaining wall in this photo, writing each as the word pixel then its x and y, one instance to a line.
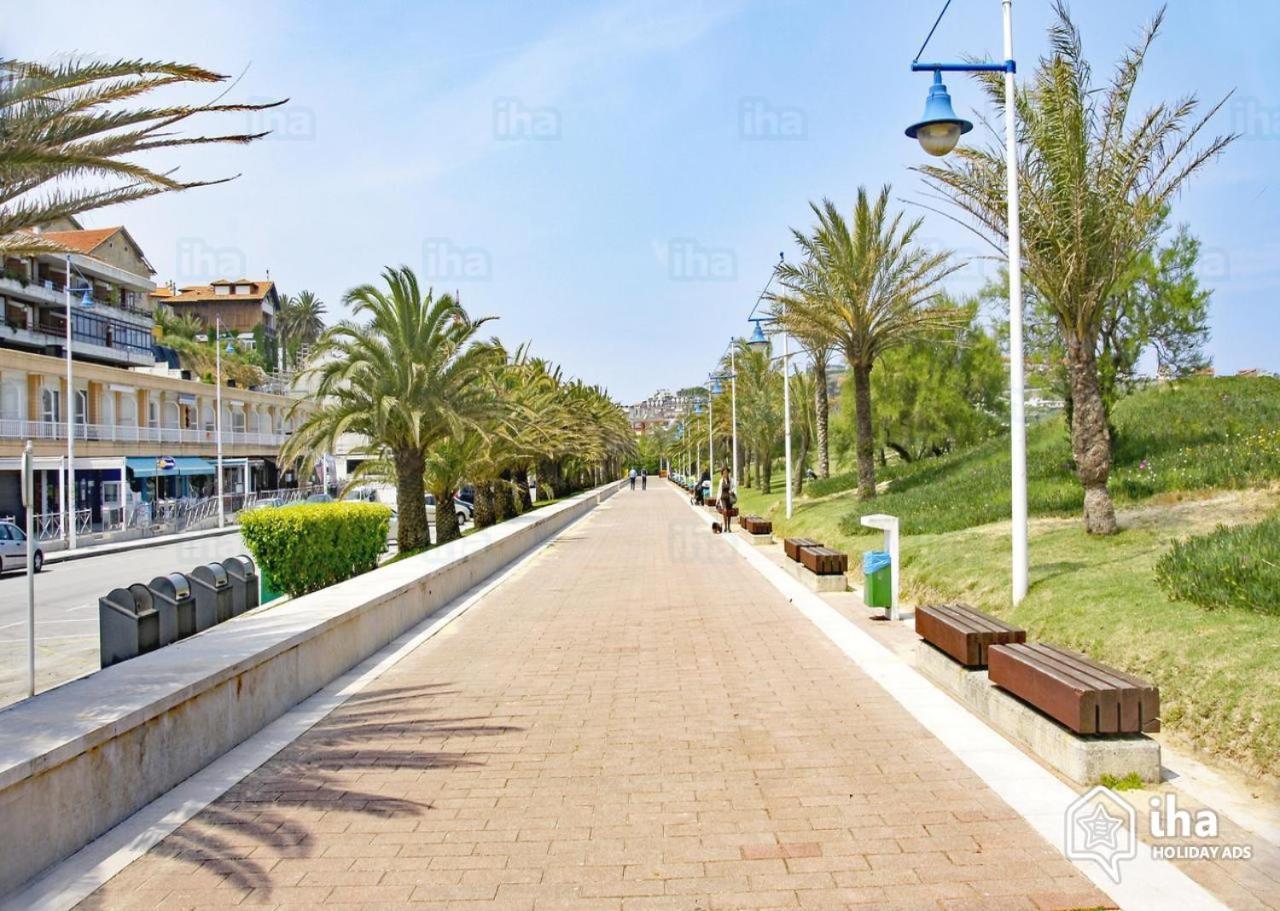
pixel 81 758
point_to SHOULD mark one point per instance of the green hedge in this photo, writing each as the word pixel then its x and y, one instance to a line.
pixel 1229 567
pixel 309 546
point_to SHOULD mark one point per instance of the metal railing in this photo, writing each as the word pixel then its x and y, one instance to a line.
pixel 123 433
pixel 48 525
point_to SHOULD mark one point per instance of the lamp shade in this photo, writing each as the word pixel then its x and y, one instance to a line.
pixel 716 388
pixel 758 341
pixel 940 129
pixel 86 299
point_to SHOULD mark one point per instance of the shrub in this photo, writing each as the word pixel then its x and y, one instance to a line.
pixel 309 546
pixel 1228 567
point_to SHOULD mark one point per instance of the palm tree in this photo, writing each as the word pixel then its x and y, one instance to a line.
pixel 1095 184
pixel 759 413
pixel 62 127
pixel 413 374
pixel 302 318
pixel 867 286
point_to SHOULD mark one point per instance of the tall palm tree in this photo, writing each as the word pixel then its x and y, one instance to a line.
pixel 409 376
pixel 869 287
pixel 62 126
pixel 304 318
pixel 1096 179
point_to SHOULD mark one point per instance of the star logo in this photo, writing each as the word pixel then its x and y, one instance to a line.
pixel 1100 829
pixel 1100 826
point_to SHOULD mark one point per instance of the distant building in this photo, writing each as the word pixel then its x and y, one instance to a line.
pixel 243 305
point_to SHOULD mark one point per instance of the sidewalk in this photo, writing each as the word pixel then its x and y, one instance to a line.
pixel 636 720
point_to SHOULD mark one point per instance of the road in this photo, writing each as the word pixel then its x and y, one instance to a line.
pixel 67 607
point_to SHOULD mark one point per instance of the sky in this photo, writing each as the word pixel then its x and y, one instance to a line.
pixel 616 180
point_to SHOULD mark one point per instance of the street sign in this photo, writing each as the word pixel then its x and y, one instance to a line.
pixel 166 463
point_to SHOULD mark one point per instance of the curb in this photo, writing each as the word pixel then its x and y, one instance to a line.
pixel 103 550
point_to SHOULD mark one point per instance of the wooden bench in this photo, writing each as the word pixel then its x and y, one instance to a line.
pixel 964 633
pixel 1087 697
pixel 756 525
pixel 792 546
pixel 824 561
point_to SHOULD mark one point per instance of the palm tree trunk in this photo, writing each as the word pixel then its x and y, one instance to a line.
pixel 797 468
pixel 1090 439
pixel 866 441
pixel 522 490
pixel 483 516
pixel 446 517
pixel 766 474
pixel 412 534
pixel 504 504
pixel 823 411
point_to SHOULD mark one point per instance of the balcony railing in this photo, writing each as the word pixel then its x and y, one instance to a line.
pixel 117 433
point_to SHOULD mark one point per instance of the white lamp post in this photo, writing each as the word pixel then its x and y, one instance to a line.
pixel 217 417
pixel 69 501
pixel 938 132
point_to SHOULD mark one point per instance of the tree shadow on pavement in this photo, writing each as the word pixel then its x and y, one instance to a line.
pixel 321 773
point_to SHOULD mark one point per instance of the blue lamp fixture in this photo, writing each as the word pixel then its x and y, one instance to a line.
pixel 758 341
pixel 940 129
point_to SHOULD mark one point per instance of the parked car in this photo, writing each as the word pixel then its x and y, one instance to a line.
pixel 460 507
pixel 268 503
pixel 13 549
pixel 319 498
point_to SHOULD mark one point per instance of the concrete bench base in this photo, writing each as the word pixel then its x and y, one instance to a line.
pixel 1083 759
pixel 829 583
pixel 758 540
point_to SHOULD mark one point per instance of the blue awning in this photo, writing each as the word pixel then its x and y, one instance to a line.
pixel 158 466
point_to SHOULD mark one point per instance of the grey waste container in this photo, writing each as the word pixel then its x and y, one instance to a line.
pixel 171 595
pixel 211 588
pixel 244 583
pixel 128 624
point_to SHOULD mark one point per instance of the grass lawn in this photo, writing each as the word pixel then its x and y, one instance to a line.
pixel 1218 671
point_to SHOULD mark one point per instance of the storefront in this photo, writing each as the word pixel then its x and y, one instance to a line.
pixel 153 478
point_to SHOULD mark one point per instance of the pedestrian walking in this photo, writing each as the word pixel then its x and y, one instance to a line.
pixel 727 498
pixel 633 479
pixel 644 479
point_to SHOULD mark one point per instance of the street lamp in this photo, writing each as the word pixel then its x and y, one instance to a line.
pixel 69 504
pixel 938 133
pixel 217 420
pixel 940 129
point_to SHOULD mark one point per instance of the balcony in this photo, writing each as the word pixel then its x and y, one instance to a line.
pixel 118 433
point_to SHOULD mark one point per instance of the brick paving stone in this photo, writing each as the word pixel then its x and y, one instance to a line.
pixel 636 720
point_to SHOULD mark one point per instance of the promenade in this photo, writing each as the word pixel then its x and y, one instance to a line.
pixel 636 719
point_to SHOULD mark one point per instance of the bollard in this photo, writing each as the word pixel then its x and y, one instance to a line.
pixel 128 624
pixel 211 588
pixel 244 583
pixel 171 596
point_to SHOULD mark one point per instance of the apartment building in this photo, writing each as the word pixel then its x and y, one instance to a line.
pixel 110 284
pixel 140 437
pixel 145 431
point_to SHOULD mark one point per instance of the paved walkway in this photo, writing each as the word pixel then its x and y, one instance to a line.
pixel 636 720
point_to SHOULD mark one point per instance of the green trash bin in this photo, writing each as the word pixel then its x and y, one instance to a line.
pixel 267 590
pixel 877 586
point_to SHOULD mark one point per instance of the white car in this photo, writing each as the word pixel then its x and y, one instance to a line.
pixel 13 549
pixel 462 508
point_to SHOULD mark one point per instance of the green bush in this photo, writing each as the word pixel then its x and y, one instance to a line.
pixel 309 546
pixel 1229 567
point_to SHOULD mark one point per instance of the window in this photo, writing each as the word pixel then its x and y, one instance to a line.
pixel 50 412
pixel 153 414
pixel 11 400
pixel 208 419
pixel 82 406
